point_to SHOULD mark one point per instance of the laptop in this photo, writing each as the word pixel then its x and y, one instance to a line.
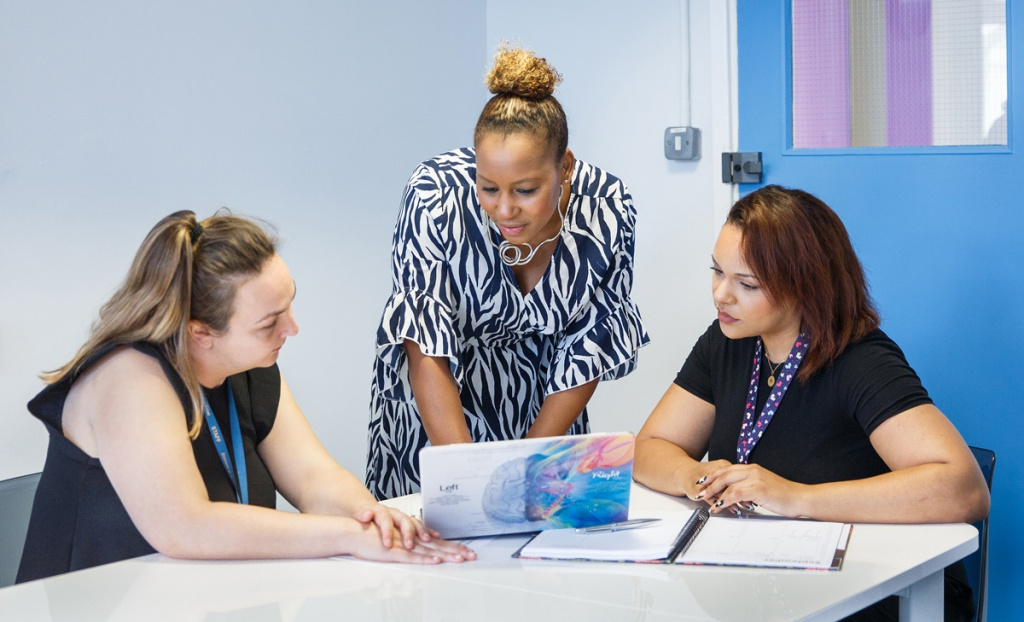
pixel 520 486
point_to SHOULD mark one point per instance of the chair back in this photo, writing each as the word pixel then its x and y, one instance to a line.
pixel 16 497
pixel 977 562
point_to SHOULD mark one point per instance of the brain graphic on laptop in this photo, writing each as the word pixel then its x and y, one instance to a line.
pixel 571 482
pixel 505 496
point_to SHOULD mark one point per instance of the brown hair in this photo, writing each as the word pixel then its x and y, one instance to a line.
pixel 184 270
pixel 523 85
pixel 801 253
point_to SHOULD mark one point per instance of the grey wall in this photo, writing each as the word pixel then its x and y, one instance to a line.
pixel 312 115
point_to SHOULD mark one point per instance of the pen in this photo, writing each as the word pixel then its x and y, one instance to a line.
pixel 626 524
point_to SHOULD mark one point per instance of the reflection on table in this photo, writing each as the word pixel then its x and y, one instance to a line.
pixel 882 560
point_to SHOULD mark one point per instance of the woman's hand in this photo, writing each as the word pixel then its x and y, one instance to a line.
pixel 380 526
pixel 391 521
pixel 747 485
pixel 696 478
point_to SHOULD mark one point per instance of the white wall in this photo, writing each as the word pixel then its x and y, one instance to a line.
pixel 308 114
pixel 311 115
pixel 624 81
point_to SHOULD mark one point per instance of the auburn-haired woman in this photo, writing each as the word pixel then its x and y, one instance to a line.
pixel 801 403
pixel 512 266
pixel 172 429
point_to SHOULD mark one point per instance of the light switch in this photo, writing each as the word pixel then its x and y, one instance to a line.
pixel 682 143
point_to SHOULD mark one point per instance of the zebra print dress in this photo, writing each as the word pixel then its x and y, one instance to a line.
pixel 454 297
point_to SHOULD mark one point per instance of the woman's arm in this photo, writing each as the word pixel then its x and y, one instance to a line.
pixel 934 479
pixel 305 474
pixel 437 397
pixel 671 444
pixel 140 435
pixel 311 480
pixel 560 410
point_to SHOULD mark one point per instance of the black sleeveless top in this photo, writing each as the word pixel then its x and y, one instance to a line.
pixel 78 521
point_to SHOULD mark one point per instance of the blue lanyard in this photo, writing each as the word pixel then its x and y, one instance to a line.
pixel 241 481
pixel 752 428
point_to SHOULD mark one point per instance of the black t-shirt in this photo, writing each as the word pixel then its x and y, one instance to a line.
pixel 78 521
pixel 820 430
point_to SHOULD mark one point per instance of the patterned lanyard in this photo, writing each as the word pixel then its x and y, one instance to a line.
pixel 241 481
pixel 752 430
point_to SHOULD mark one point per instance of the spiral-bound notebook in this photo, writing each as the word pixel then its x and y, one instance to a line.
pixel 700 539
pixel 660 542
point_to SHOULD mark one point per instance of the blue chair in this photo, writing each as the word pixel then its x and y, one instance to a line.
pixel 16 497
pixel 977 562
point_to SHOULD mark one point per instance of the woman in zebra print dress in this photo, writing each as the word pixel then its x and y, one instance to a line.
pixel 512 266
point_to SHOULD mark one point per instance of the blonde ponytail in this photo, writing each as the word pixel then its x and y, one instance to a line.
pixel 183 270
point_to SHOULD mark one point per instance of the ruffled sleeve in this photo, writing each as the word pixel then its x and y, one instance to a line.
pixel 603 338
pixel 421 306
pixel 607 351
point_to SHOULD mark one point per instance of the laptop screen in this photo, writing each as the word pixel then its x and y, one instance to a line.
pixel 502 487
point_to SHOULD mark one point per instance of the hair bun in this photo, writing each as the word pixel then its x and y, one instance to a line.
pixel 520 72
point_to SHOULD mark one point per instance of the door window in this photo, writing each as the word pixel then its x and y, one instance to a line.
pixel 897 73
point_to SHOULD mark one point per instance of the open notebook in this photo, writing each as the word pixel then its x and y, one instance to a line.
pixel 519 486
pixel 698 538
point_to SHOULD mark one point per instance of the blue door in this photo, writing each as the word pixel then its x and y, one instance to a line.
pixel 940 232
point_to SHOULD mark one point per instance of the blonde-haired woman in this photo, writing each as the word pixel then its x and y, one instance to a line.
pixel 512 266
pixel 172 429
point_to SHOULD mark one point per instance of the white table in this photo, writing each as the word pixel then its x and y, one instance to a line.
pixel 882 559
